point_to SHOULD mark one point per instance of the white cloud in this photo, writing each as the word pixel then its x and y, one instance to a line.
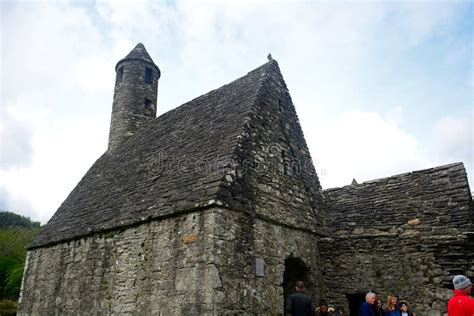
pixel 11 202
pixel 52 77
pixel 418 20
pixel 62 155
pixel 454 136
pixel 364 146
pixel 58 72
pixel 42 44
pixel 395 115
pixel 15 141
pixel 453 141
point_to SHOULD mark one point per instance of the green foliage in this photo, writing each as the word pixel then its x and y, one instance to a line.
pixel 9 220
pixel 13 241
pixel 13 284
pixel 17 233
pixel 6 264
pixel 7 307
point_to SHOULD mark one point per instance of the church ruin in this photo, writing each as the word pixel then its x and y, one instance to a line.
pixel 215 208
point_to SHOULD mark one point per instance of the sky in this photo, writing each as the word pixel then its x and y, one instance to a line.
pixel 380 87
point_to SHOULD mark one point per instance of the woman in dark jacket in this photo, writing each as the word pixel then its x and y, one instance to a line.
pixel 378 307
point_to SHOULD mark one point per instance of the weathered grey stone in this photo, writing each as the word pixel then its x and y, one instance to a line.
pixel 134 98
pixel 215 208
pixel 418 254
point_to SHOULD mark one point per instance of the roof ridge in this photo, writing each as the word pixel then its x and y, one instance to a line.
pixel 398 175
pixel 227 84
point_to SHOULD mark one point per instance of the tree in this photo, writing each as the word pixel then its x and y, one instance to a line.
pixel 10 219
pixel 13 282
pixel 16 233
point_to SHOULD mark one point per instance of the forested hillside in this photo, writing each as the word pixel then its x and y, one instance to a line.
pixel 16 233
pixel 10 219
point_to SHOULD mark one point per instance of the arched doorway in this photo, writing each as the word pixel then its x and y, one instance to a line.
pixel 355 300
pixel 295 270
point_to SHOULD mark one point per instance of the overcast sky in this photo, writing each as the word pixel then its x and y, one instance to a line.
pixel 380 87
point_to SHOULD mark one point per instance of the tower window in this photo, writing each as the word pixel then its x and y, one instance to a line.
pixel 148 75
pixel 120 75
pixel 280 105
pixel 286 166
pixel 148 104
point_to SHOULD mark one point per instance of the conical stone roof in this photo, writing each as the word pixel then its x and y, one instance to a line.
pixel 138 53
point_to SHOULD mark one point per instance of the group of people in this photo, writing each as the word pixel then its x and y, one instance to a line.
pixel 460 304
pixel 373 306
pixel 300 304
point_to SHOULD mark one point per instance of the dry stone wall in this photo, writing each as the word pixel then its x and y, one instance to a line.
pixel 273 170
pixel 245 240
pixel 200 263
pixel 157 268
pixel 406 235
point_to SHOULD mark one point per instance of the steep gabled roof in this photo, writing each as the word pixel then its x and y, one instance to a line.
pixel 176 163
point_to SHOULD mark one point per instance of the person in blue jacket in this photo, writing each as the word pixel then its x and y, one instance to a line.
pixel 367 308
pixel 392 306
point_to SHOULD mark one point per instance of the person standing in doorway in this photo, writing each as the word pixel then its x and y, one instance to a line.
pixel 367 308
pixel 300 304
pixel 461 304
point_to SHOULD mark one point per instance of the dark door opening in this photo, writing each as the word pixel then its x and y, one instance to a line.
pixel 295 270
pixel 355 300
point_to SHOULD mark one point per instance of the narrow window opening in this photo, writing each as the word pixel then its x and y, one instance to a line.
pixel 148 104
pixel 286 169
pixel 280 105
pixel 295 167
pixel 120 75
pixel 148 75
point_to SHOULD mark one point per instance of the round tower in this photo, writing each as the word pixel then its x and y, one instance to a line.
pixel 135 95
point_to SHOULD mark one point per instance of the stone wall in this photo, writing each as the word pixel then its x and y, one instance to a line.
pixel 407 235
pixel 145 269
pixel 246 239
pixel 200 263
pixel 273 169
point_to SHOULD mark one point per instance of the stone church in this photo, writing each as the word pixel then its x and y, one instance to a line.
pixel 215 208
